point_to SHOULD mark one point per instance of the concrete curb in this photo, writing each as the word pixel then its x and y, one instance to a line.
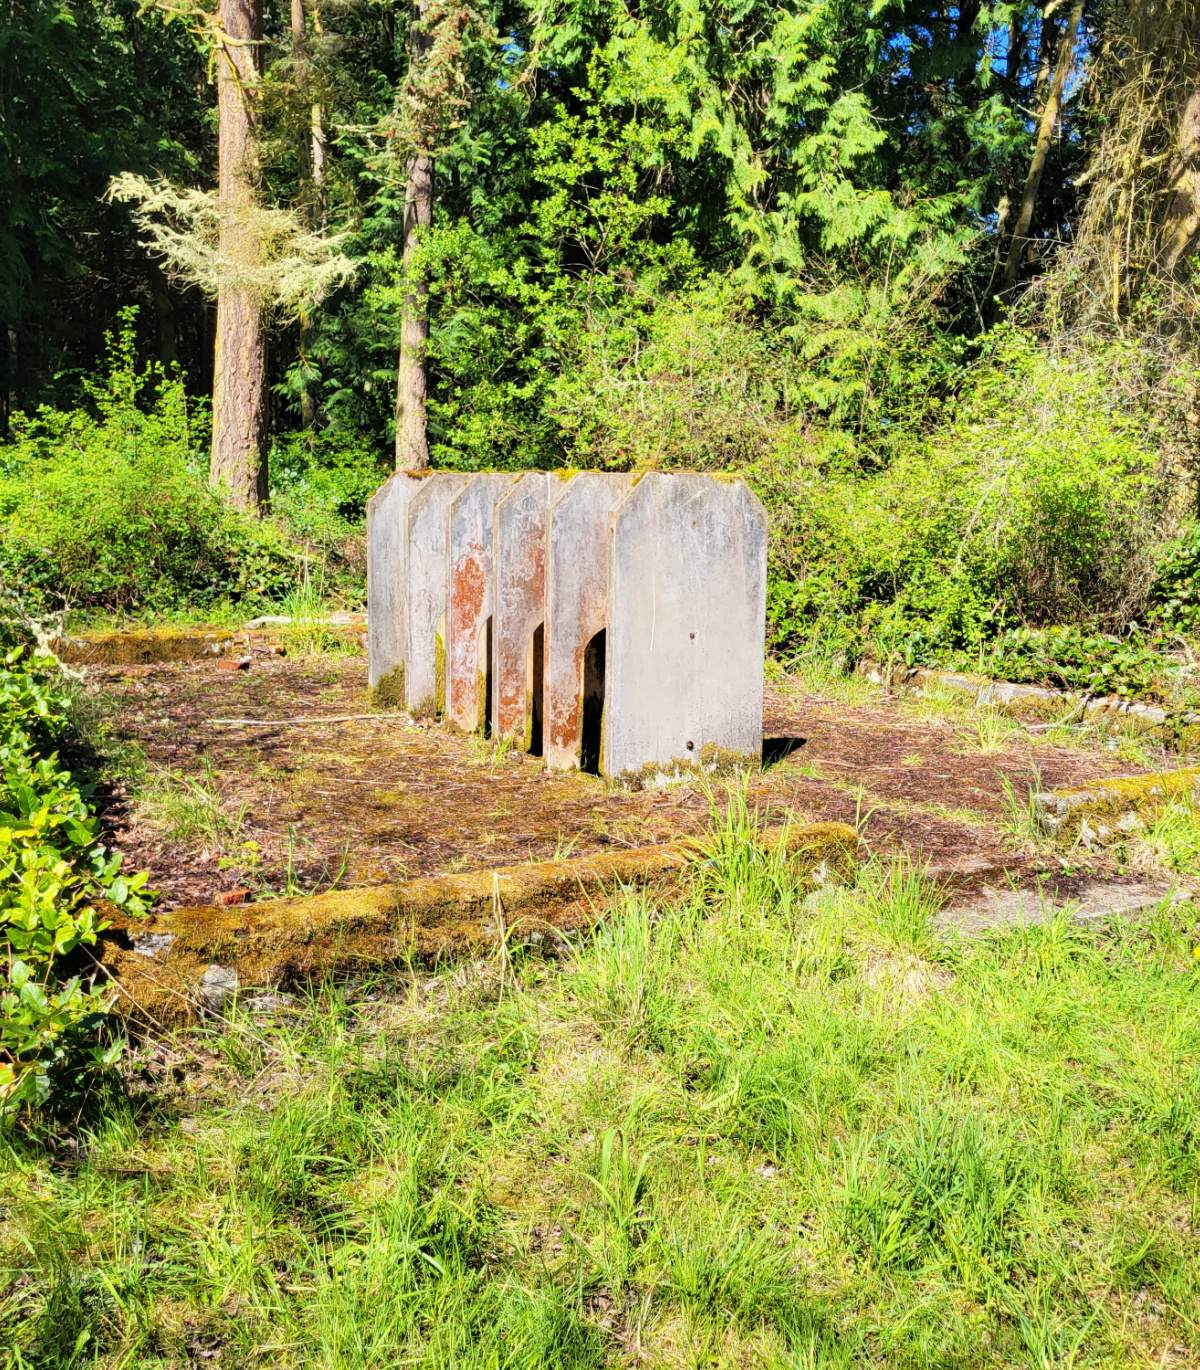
pixel 996 909
pixel 166 968
pixel 1104 811
pixel 1037 701
pixel 189 644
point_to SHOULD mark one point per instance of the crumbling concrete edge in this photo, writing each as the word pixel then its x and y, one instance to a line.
pixel 152 647
pixel 1038 701
pixel 159 968
pixel 1105 811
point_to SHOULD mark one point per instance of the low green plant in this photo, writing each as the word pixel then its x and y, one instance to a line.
pixel 54 869
pixel 1174 837
pixel 1021 820
pixel 990 730
pixel 183 808
pixel 902 902
pixel 105 507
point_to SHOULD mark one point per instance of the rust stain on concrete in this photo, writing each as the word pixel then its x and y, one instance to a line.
pixel 520 565
pixel 467 596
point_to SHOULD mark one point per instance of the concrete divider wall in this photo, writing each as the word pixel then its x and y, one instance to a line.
pixel 386 575
pixel 426 589
pixel 576 602
pixel 687 582
pixel 519 591
pixel 469 593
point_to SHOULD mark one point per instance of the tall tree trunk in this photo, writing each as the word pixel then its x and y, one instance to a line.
pixel 239 461
pixel 1182 227
pixel 412 444
pixel 305 178
pixel 1051 108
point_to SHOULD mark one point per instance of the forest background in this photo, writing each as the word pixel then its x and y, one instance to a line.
pixel 924 274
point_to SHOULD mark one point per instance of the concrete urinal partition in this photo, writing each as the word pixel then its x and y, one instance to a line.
pixel 469 629
pixel 387 569
pixel 425 588
pixel 576 614
pixel 519 607
pixel 687 590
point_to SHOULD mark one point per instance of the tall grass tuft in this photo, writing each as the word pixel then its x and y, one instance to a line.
pixel 902 904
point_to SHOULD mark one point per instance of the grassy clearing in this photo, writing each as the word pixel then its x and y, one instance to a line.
pixel 827 681
pixel 747 1128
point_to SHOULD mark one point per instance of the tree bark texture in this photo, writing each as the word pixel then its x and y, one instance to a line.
pixel 1051 109
pixel 1182 228
pixel 412 445
pixel 412 442
pixel 240 356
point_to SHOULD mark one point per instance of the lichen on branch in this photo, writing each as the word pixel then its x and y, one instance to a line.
pixel 285 267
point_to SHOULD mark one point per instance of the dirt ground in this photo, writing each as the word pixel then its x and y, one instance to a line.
pixel 289 806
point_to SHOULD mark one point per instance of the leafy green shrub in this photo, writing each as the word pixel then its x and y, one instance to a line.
pixel 1035 501
pixel 52 869
pixel 106 507
pixel 1177 581
pixel 322 482
pixel 320 485
pixel 1076 659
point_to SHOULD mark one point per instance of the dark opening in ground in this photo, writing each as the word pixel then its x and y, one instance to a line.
pixel 488 720
pixel 777 749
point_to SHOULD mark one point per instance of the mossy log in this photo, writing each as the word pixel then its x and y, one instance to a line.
pixel 156 964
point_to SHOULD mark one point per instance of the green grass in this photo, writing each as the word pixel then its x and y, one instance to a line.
pixel 184 809
pixel 1174 837
pixel 746 1128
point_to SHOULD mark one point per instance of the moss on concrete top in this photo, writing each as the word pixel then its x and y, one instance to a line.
pixel 156 964
pixel 143 647
pixel 1098 812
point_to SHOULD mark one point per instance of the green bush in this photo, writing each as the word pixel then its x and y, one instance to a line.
pixel 320 485
pixel 1034 501
pixel 106 506
pixel 1177 580
pixel 53 868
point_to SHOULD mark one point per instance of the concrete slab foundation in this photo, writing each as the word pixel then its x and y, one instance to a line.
pixel 469 597
pixel 687 584
pixel 424 660
pixel 576 610
pixel 387 564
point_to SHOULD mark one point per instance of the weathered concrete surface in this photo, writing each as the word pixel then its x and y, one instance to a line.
pixel 162 967
pixel 997 909
pixel 576 602
pixel 1173 727
pixel 687 592
pixel 1104 811
pixel 386 574
pixel 469 595
pixel 426 591
pixel 142 648
pixel 158 647
pixel 519 593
